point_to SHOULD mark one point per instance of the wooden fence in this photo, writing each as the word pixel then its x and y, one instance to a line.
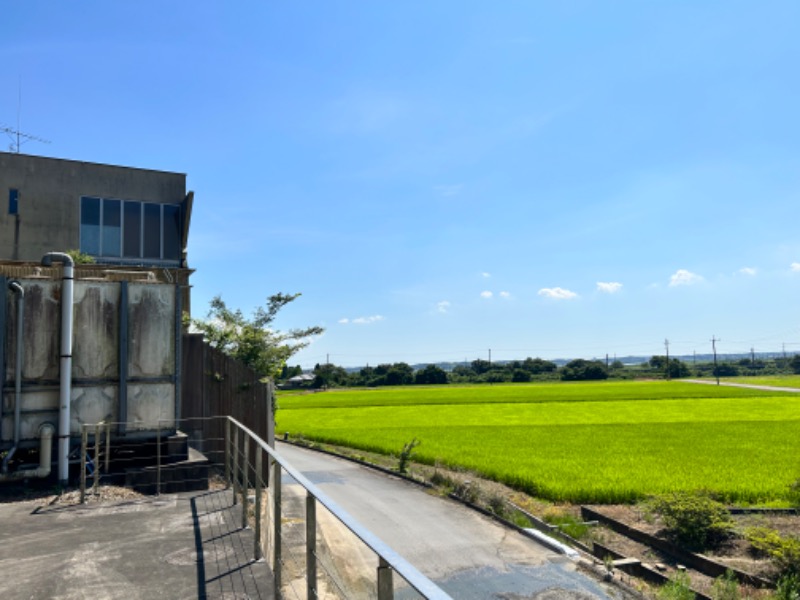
pixel 214 385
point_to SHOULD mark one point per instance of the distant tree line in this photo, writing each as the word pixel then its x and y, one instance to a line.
pixel 535 369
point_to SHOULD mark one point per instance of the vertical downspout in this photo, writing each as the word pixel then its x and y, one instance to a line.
pixel 67 295
pixel 3 334
pixel 178 350
pixel 15 286
pixel 122 415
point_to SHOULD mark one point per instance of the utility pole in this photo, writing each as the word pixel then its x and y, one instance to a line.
pixel 714 341
pixel 606 361
pixel 666 346
pixel 490 356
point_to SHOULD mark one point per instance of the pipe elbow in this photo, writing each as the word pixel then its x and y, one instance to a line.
pixel 61 257
pixel 46 430
pixel 16 286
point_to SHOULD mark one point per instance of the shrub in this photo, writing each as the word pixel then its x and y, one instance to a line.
pixel 694 520
pixel 784 551
pixel 81 258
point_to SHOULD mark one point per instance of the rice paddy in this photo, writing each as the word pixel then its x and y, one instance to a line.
pixel 576 442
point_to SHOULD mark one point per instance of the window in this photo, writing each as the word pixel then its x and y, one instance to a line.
pixel 133 230
pixel 129 230
pixel 112 228
pixel 90 226
pixel 13 197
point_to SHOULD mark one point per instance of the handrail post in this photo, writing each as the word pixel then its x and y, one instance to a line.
pixel 84 441
pixel 235 462
pixel 96 459
pixel 385 583
pixel 158 460
pixel 257 551
pixel 227 453
pixel 276 516
pixel 311 546
pixel 245 483
pixel 108 447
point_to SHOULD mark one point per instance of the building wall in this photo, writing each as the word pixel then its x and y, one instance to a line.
pixel 49 193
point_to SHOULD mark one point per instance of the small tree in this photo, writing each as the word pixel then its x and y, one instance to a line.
pixel 253 341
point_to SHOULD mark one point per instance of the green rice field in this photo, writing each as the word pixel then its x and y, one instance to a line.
pixel 576 442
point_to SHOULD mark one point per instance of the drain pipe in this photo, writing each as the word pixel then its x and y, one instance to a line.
pixel 46 431
pixel 15 286
pixel 67 285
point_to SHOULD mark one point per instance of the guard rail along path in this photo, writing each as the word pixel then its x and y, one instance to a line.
pixel 303 564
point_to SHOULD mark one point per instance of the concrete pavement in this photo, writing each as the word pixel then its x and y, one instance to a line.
pixel 174 547
pixel 467 554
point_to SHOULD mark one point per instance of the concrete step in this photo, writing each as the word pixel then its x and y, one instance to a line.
pixel 181 476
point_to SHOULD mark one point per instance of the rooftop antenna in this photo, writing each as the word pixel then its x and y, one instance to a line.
pixel 16 136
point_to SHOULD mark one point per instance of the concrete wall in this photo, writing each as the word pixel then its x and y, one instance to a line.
pixel 145 367
pixel 49 199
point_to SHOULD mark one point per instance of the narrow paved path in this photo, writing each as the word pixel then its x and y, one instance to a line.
pixel 767 388
pixel 467 554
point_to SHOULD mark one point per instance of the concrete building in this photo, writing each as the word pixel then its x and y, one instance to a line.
pixel 118 215
pixel 124 355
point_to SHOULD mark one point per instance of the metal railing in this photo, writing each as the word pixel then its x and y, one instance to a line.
pixel 303 534
pixel 238 441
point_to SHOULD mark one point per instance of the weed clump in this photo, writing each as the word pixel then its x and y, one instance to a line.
pixel 678 588
pixel 565 522
pixel 405 455
pixel 726 587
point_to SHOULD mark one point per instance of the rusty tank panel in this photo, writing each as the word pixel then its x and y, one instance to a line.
pixel 123 357
pixel 96 332
pixel 152 330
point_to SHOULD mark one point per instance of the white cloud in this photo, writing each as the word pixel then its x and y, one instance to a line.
pixel 368 320
pixel 505 295
pixel 557 293
pixel 795 267
pixel 609 287
pixel 748 271
pixel 449 190
pixel 486 294
pixel 362 320
pixel 684 277
pixel 486 275
pixel 442 306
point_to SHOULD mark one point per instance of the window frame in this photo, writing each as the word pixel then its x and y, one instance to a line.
pixel 122 257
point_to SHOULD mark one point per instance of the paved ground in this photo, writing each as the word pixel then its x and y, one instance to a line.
pixel 174 547
pixel 465 553
pixel 745 385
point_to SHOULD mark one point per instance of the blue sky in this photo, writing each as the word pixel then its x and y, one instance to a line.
pixel 554 179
